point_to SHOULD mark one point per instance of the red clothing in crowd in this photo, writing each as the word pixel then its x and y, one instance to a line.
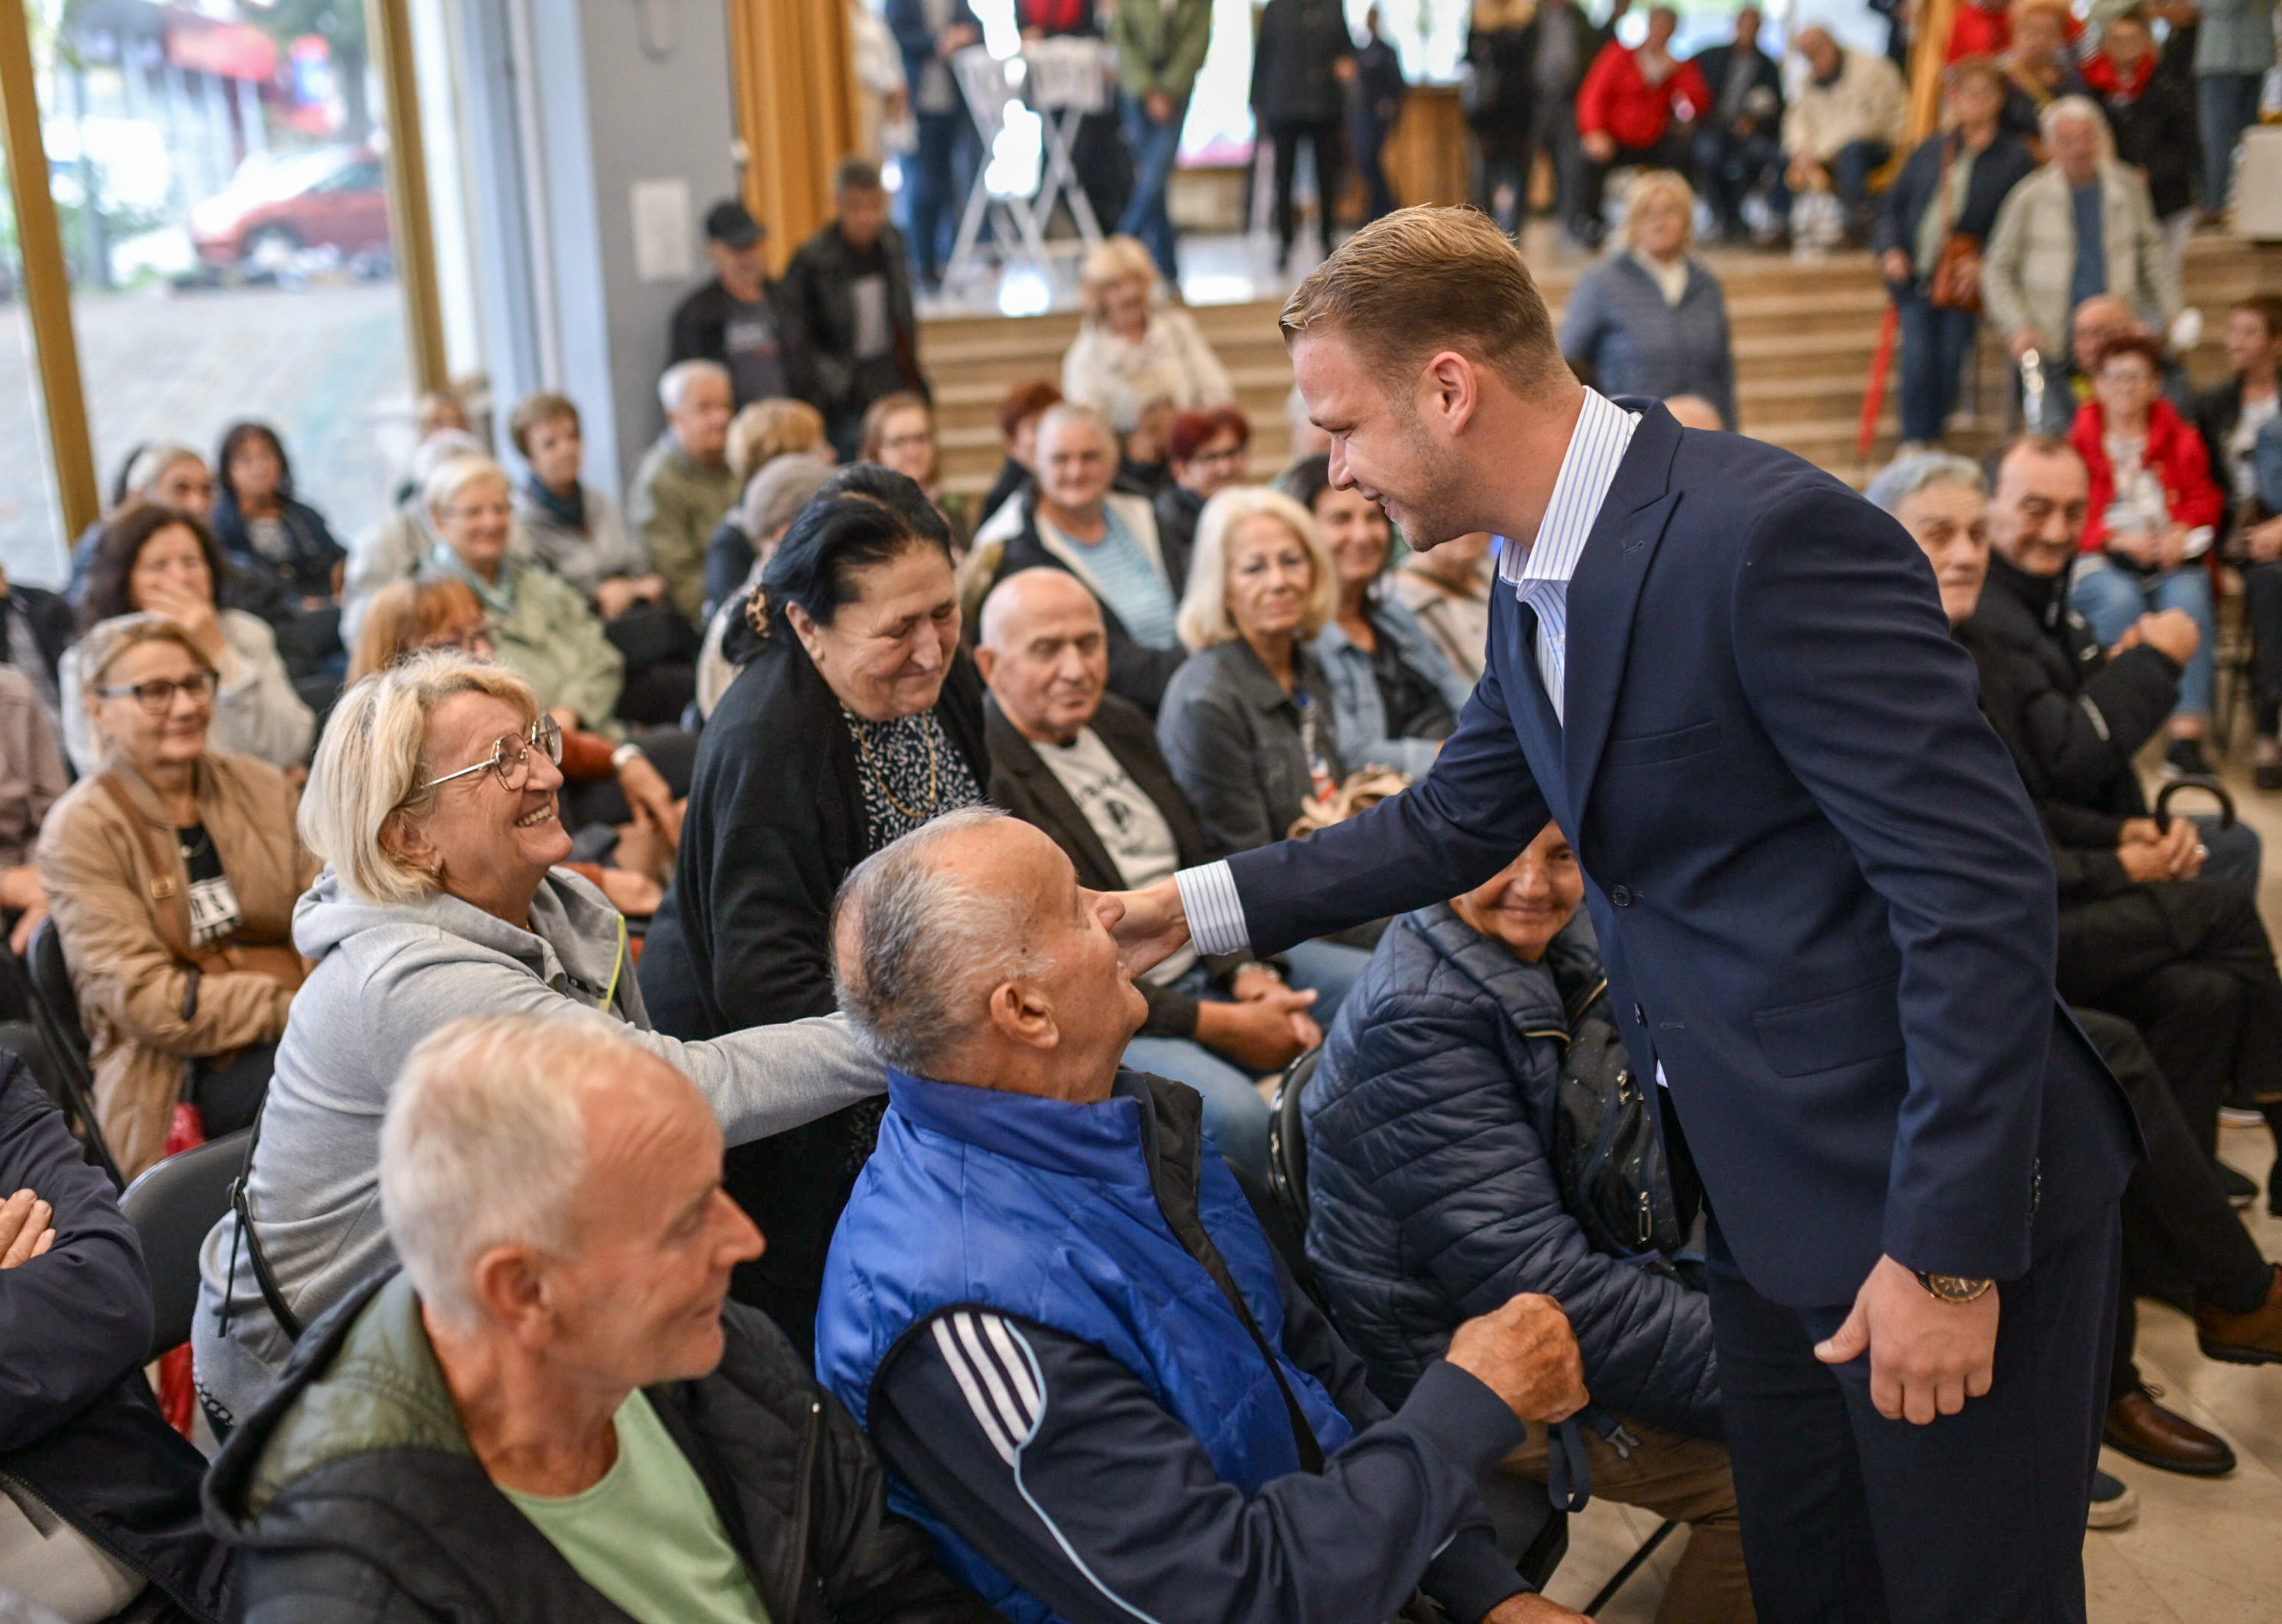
pixel 2104 76
pixel 2175 452
pixel 1979 31
pixel 1618 98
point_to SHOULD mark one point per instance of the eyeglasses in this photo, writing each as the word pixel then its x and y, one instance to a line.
pixel 481 641
pixel 157 696
pixel 511 757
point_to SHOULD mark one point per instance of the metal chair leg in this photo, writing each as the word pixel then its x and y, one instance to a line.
pixel 1633 1565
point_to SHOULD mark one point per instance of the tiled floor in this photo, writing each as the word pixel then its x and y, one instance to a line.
pixel 2202 1550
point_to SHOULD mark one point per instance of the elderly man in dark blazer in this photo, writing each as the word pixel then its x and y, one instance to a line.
pixel 1074 760
pixel 1824 901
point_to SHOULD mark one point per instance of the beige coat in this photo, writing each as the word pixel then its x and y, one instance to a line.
pixel 130 986
pixel 2030 260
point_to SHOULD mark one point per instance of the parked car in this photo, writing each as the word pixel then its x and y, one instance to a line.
pixel 275 206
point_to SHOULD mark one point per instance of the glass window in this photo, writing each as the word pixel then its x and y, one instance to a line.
pixel 225 218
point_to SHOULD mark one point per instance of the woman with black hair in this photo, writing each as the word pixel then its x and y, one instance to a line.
pixel 286 562
pixel 162 561
pixel 857 718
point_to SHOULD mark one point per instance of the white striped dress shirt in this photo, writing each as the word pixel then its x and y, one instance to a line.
pixel 1540 575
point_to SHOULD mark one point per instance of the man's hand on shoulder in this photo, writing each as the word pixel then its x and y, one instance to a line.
pixel 1927 1357
pixel 1526 1353
pixel 1528 1608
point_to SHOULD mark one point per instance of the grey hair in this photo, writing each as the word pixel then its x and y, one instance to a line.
pixel 1068 412
pixel 2061 109
pixel 483 1146
pixel 915 945
pixel 673 385
pixel 153 461
pixel 1900 480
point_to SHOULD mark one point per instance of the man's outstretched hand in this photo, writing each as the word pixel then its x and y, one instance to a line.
pixel 1154 925
pixel 1926 1357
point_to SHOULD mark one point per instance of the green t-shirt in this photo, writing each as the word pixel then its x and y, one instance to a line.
pixel 647 1536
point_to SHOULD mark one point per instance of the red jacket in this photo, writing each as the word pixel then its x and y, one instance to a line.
pixel 2174 450
pixel 2104 76
pixel 1976 32
pixel 1615 97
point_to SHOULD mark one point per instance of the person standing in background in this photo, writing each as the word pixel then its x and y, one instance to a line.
pixel 1635 107
pixel 1160 45
pixel 738 318
pixel 850 288
pixel 1500 95
pixel 1300 67
pixel 2234 47
pixel 1378 90
pixel 1567 41
pixel 2152 116
pixel 929 33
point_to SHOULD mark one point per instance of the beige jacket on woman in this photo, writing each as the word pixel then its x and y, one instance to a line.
pixel 97 872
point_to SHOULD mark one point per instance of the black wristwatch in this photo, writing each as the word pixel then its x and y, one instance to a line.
pixel 1954 1287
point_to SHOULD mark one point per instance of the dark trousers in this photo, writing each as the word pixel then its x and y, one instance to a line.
pixel 2226 105
pixel 1850 177
pixel 1731 167
pixel 1935 346
pixel 2180 1238
pixel 935 194
pixel 1323 136
pixel 1367 134
pixel 1851 1518
pixel 1503 154
pixel 1553 131
pixel 1671 152
pixel 2262 597
pixel 229 1095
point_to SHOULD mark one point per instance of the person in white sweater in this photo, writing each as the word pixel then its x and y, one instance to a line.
pixel 1133 350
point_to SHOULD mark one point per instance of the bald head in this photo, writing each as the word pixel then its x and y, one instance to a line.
pixel 1045 653
pixel 1820 50
pixel 1694 412
pixel 2097 322
pixel 968 951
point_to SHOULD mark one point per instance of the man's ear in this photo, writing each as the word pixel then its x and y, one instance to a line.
pixel 509 1284
pixel 1449 393
pixel 986 660
pixel 1023 1014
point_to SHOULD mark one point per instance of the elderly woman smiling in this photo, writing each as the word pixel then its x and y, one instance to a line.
pixel 432 802
pixel 858 719
pixel 543 628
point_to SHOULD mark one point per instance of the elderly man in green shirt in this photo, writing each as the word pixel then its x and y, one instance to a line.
pixel 684 485
pixel 1160 45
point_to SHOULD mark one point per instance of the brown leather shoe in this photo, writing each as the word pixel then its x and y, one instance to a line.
pixel 2140 1427
pixel 2255 1338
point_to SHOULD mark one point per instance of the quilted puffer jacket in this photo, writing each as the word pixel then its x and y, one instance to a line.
pixel 1433 1191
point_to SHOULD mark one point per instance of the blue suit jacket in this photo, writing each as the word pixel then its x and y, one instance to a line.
pixel 1822 894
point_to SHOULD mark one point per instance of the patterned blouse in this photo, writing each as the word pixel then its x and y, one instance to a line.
pixel 910 773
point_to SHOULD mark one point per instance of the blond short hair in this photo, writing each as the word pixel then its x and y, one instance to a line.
pixel 100 649
pixel 770 429
pixel 1652 183
pixel 1431 278
pixel 1204 620
pixel 456 474
pixel 374 757
pixel 1112 261
pixel 483 1144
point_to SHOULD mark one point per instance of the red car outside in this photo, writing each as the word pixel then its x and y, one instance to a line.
pixel 274 207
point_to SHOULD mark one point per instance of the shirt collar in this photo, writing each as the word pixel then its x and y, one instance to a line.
pixel 1588 468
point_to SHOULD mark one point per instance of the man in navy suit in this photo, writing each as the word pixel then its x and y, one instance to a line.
pixel 1824 899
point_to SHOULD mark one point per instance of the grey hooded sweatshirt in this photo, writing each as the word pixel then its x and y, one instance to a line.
pixel 387 975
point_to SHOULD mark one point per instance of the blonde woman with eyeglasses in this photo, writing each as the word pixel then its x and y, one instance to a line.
pixel 433 804
pixel 171 874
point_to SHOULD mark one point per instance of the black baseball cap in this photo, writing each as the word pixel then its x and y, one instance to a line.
pixel 733 226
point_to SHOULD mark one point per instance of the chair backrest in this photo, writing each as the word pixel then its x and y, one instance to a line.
pixel 171 1206
pixel 1287 1141
pixel 51 980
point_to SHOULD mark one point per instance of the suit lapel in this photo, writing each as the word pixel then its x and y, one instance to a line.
pixel 1605 591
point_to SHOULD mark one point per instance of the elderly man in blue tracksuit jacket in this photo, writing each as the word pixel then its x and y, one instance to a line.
pixel 1053 1307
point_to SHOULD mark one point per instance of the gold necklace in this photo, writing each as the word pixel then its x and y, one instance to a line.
pixel 879 779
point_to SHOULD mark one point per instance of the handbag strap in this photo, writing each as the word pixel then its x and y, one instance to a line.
pixel 242 1204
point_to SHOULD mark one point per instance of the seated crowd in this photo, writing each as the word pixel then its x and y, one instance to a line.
pixel 706 1159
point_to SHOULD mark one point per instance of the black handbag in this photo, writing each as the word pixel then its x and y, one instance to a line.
pixel 1605 1150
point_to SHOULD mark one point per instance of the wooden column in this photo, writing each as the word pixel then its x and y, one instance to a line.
pixel 411 223
pixel 795 74
pixel 47 285
pixel 1428 151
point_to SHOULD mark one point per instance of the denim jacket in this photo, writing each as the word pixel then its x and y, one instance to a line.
pixel 1355 703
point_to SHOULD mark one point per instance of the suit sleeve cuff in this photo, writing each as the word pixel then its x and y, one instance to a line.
pixel 1470 1578
pixel 1214 911
pixel 1468 1425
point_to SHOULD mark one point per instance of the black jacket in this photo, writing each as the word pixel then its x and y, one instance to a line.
pixel 1178 509
pixel 2072 717
pixel 818 291
pixel 410 1530
pixel 77 1425
pixel 1136 673
pixel 700 333
pixel 2004 164
pixel 49 617
pixel 1292 77
pixel 2155 130
pixel 1766 75
pixel 775 822
pixel 2216 411
pixel 1501 98
pixel 305 570
pixel 1235 740
pixel 1026 786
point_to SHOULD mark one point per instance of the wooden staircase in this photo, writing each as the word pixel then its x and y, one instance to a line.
pixel 1805 334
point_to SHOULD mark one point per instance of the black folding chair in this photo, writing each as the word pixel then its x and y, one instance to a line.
pixel 62 1040
pixel 171 1206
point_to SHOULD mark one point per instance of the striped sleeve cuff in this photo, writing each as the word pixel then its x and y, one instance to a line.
pixel 1215 913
